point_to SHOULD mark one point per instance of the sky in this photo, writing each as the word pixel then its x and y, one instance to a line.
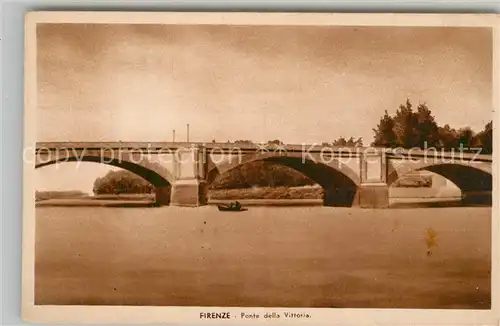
pixel 299 84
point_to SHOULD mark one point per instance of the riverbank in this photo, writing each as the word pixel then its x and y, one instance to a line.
pixel 91 202
pixel 122 200
pixel 265 196
pixel 316 192
pixel 307 192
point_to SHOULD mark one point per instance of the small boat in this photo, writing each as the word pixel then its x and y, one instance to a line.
pixel 230 208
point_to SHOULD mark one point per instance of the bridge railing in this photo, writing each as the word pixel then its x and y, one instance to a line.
pixel 325 150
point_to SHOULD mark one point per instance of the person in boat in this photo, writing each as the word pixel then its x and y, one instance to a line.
pixel 236 205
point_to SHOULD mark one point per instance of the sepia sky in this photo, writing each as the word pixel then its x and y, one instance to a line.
pixel 297 84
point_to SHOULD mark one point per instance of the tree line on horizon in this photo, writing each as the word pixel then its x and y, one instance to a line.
pixel 407 128
pixel 341 141
pixel 261 174
pixel 410 128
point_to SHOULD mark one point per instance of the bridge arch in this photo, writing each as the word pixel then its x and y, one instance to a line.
pixel 152 172
pixel 473 178
pixel 339 182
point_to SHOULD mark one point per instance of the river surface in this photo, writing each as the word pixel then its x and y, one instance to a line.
pixel 266 256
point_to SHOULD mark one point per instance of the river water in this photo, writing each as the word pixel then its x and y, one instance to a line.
pixel 266 256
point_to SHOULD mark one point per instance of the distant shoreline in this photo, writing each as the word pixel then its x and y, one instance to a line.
pixel 279 196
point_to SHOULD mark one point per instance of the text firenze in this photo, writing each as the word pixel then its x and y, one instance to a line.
pixel 215 315
pixel 243 315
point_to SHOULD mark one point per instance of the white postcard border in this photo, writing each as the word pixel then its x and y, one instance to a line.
pixel 191 315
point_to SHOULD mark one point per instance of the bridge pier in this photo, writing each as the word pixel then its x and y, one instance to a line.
pixel 373 191
pixel 477 197
pixel 190 187
pixel 340 197
pixel 190 193
pixel 162 195
pixel 374 196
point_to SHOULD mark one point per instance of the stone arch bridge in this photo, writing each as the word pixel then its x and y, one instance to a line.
pixel 182 172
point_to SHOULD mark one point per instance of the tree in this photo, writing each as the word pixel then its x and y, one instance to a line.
pixel 341 141
pixel 276 142
pixel 261 174
pixel 448 137
pixel 243 142
pixel 384 133
pixel 351 142
pixel 427 128
pixel 466 137
pixel 484 139
pixel 405 126
pixel 121 182
pixel 410 129
pixel 358 142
